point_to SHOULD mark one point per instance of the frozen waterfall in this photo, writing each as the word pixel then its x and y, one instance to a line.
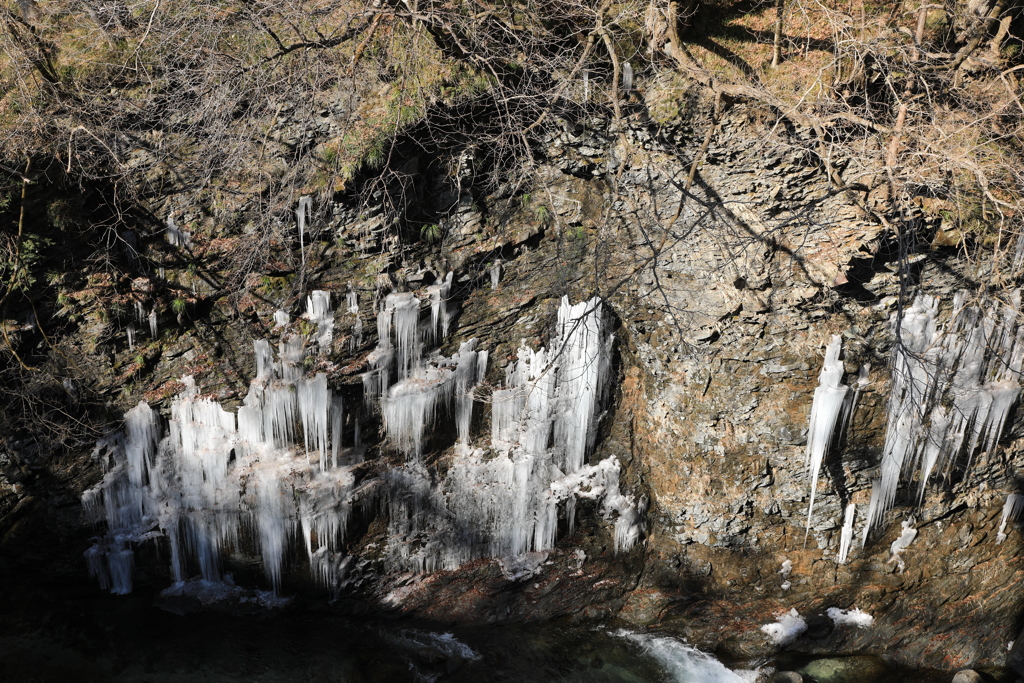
pixel 276 473
pixel 952 389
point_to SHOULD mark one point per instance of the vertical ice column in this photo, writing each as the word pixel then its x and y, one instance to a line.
pixel 825 410
pixel 913 374
pixel 468 373
pixel 302 212
pixel 583 360
pixel 131 336
pixel 440 314
pixel 194 485
pixel 1012 509
pixel 251 436
pixel 314 399
pixel 405 317
pixel 281 319
pixel 846 535
pixel 410 405
pixel 143 433
pixel 272 517
pixel 264 360
pixel 495 272
pixel 318 310
pixel 352 301
pixel 153 331
pixel 279 405
pixel 290 352
pixel 176 236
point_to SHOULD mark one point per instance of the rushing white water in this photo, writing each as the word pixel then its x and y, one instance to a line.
pixel 684 663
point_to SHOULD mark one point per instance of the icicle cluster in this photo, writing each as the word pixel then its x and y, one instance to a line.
pixel 214 473
pixel 319 311
pixel 352 302
pixel 507 503
pixel 276 471
pixel 952 390
pixel 177 237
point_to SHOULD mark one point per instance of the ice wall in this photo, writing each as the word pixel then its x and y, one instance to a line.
pixel 276 473
pixel 507 500
pixel 212 473
pixel 952 389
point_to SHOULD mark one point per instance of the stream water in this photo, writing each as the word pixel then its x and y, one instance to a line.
pixel 125 638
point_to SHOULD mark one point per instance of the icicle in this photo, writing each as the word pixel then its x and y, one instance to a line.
pixel 272 517
pixel 337 422
pixel 582 369
pixel 131 337
pixel 829 398
pixel 279 405
pixel 1012 509
pixel 318 310
pixel 313 402
pixel 495 274
pixel 410 405
pixel 627 77
pixel 402 313
pixel 352 301
pixel 152 324
pixel 439 294
pixel 876 495
pixel 973 367
pixel 290 352
pixel 176 236
pixel 264 360
pixel 466 378
pixel 302 212
pixel 281 319
pixel 846 536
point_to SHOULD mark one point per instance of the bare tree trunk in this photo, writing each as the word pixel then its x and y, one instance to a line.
pixel 780 12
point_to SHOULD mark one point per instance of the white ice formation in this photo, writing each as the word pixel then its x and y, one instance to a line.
pixel 352 304
pixel 302 211
pixel 788 627
pixel 849 617
pixel 906 537
pixel 829 399
pixel 952 389
pixel 319 311
pixel 1012 509
pixel 275 473
pixel 846 535
pixel 507 501
pixel 213 473
pixel 177 237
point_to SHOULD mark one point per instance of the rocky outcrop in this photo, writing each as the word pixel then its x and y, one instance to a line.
pixel 728 271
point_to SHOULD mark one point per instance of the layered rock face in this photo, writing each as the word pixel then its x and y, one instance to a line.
pixel 727 263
